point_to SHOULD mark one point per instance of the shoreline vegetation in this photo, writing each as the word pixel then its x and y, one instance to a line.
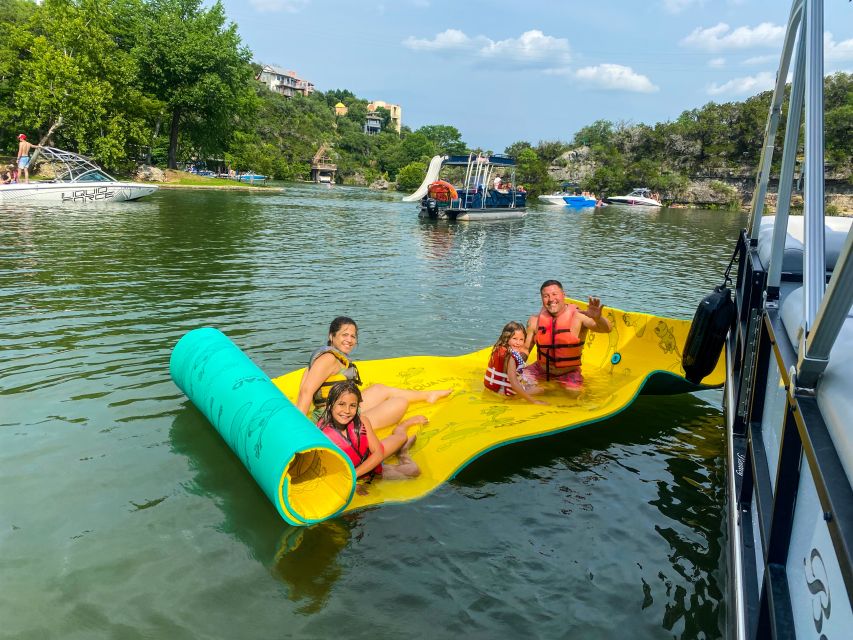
pixel 169 83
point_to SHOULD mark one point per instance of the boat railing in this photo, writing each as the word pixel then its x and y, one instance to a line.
pixel 771 455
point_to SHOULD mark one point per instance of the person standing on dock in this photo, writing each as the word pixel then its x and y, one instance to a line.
pixel 558 331
pixel 24 149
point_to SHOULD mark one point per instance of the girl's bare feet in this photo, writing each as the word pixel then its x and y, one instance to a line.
pixel 434 396
pixel 404 450
pixel 413 421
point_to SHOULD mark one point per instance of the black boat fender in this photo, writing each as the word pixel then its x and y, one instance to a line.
pixel 714 316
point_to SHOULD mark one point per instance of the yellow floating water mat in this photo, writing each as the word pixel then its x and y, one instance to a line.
pixel 641 354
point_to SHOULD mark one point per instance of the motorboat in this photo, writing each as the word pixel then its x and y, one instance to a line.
pixel 639 196
pixel 77 179
pixel 569 195
pixel 564 199
pixel 487 191
pixel 250 177
pixel 788 400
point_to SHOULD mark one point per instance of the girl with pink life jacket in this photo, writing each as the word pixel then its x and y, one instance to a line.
pixel 353 434
pixel 505 372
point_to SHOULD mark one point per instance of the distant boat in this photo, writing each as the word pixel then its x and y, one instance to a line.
pixel 639 196
pixel 250 177
pixel 77 180
pixel 481 196
pixel 564 199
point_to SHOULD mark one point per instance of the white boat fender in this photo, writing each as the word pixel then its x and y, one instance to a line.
pixel 714 316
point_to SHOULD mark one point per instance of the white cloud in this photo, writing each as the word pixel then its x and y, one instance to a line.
pixel 615 77
pixel 770 57
pixel 720 37
pixel 717 62
pixel 530 49
pixel 450 40
pixel 290 6
pixel 677 6
pixel 747 85
pixel 837 51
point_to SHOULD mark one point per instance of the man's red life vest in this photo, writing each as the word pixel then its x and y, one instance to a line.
pixel 496 378
pixel 557 346
pixel 354 444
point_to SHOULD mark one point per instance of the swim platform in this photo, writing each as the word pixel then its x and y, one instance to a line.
pixel 309 480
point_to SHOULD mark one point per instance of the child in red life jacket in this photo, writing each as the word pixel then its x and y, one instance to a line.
pixel 505 373
pixel 354 435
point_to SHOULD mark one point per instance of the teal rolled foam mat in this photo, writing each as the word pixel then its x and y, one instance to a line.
pixel 304 475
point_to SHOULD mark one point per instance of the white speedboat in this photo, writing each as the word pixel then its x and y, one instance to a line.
pixel 639 196
pixel 565 199
pixel 77 180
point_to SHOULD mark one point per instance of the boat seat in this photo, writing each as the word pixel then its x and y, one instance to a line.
pixel 836 230
pixel 833 390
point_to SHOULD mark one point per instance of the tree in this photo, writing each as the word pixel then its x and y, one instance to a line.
pixel 599 133
pixel 72 71
pixel 410 177
pixel 532 172
pixel 193 62
pixel 446 139
pixel 516 148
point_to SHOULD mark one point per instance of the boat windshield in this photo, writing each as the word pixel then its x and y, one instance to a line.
pixel 96 175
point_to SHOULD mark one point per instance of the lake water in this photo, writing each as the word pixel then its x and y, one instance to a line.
pixel 124 515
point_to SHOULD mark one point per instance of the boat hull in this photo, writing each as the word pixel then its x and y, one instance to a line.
pixel 567 200
pixel 70 192
pixel 474 214
pixel 633 201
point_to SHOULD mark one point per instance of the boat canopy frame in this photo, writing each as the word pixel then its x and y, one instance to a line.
pixel 479 172
pixel 69 166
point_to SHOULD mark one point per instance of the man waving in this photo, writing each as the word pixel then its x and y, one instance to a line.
pixel 558 331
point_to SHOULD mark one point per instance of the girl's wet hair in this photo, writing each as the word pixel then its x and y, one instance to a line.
pixel 336 325
pixel 508 331
pixel 338 389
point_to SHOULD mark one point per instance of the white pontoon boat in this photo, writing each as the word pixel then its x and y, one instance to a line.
pixel 77 180
pixel 789 383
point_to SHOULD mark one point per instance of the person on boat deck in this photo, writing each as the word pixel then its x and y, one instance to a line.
pixel 558 331
pixel 381 404
pixel 505 373
pixel 23 160
pixel 353 434
pixel 8 175
pixel 497 182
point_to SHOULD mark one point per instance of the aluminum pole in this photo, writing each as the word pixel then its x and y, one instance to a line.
pixel 789 157
pixel 814 261
pixel 757 206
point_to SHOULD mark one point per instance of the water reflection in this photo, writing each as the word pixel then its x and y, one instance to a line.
pixel 662 456
pixel 307 561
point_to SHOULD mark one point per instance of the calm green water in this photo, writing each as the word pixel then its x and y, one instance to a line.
pixel 123 515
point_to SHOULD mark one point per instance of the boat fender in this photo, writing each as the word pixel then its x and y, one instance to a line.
pixel 711 323
pixel 714 316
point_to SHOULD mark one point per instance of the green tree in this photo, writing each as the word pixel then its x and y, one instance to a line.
pixel 532 172
pixel 194 63
pixel 516 148
pixel 75 79
pixel 446 139
pixel 410 177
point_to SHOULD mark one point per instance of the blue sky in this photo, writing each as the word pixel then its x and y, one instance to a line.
pixel 503 71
